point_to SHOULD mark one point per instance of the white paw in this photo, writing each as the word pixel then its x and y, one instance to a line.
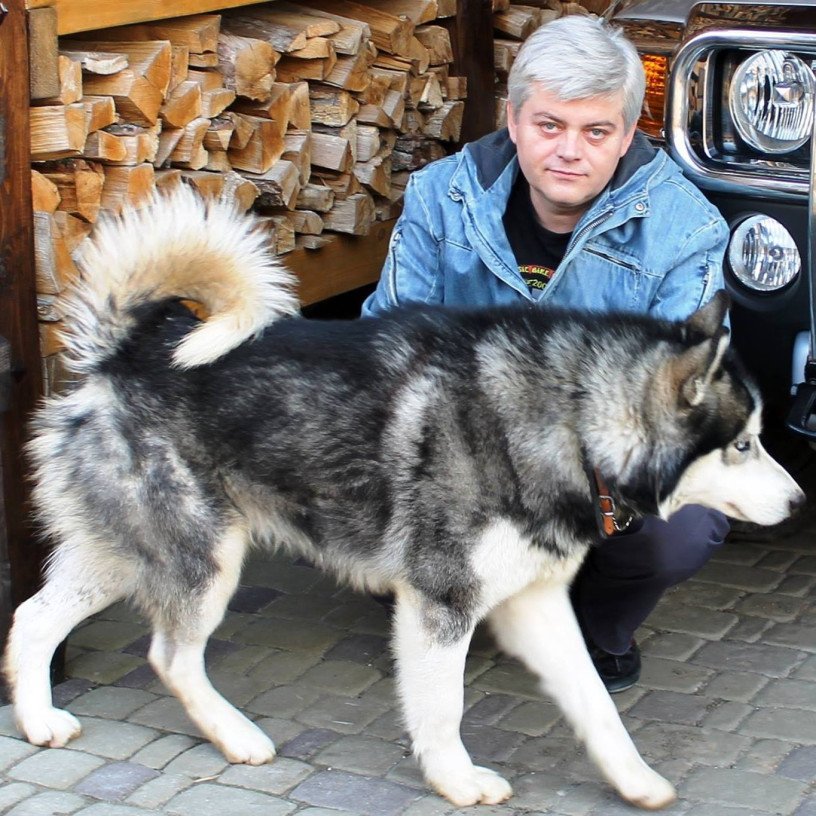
pixel 477 786
pixel 248 747
pixel 649 790
pixel 49 726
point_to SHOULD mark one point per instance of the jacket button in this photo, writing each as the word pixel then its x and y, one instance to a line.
pixel 640 207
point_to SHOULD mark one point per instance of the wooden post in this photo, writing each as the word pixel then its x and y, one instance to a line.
pixel 18 314
pixel 472 42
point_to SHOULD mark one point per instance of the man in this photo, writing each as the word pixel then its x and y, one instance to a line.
pixel 571 206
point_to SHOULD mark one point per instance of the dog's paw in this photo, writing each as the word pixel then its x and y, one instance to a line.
pixel 50 727
pixel 648 790
pixel 478 786
pixel 250 747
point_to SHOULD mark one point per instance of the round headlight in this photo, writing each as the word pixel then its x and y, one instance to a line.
pixel 771 101
pixel 762 254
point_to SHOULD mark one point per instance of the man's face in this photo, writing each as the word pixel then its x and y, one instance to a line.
pixel 568 151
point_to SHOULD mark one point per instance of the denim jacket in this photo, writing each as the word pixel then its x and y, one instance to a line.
pixel 649 243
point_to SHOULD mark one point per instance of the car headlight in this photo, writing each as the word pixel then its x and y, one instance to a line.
pixel 762 254
pixel 771 101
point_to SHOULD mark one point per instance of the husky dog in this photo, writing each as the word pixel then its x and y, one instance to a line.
pixel 444 455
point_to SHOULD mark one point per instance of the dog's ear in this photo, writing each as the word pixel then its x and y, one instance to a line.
pixel 709 318
pixel 693 371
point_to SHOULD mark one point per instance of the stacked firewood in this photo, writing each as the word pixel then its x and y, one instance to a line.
pixel 312 115
pixel 514 22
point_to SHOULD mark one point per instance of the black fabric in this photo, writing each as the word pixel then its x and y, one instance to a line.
pixel 537 250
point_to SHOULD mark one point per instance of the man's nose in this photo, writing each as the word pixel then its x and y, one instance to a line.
pixel 569 146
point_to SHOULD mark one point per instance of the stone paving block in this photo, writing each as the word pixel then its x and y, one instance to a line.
pixel 533 718
pixel 284 701
pixel 390 726
pixel 340 677
pixel 363 755
pixel 13 750
pixel 306 744
pixel 408 773
pixel 546 753
pixel 710 596
pixel 61 768
pixel 487 743
pixel 369 650
pixel 691 620
pixel 347 715
pixel 115 781
pixel 13 792
pixel 167 714
pixel 107 809
pixel 49 803
pixel 279 730
pixel 671 645
pixel 159 752
pixel 238 689
pixel 805 671
pixel 672 675
pixel 743 789
pixel 796 585
pixel 662 741
pixel 110 738
pixel 772 606
pixel 784 724
pixel 490 709
pixel 726 715
pixel 546 791
pixel 750 629
pixel 244 659
pixel 671 707
pixel 199 761
pixel 67 691
pixel 799 764
pixel 275 777
pixel 765 756
pixel 300 607
pixel 736 686
pixel 351 610
pixel 509 678
pixel 252 598
pixel 358 794
pixel 110 701
pixel 209 799
pixel 278 574
pixel 232 623
pixel 738 577
pixel 102 667
pixel 283 667
pixel 736 551
pixel 720 810
pixel 157 792
pixel 788 694
pixel 106 635
pixel 795 635
pixel 139 678
pixel 293 635
pixel 773 661
pixel 807 807
pixel 779 560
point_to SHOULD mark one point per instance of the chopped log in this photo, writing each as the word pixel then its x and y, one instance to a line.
pixel 97 62
pixel 499 5
pixel 446 123
pixel 149 59
pixel 48 307
pixel 342 185
pixel 446 8
pixel 168 141
pixel 379 82
pixel 318 197
pixel 182 105
pixel 264 147
pixel 388 31
pixel 419 56
pixel 350 73
pixel 51 343
pixel 99 112
pixel 136 99
pixel 53 265
pixel 104 146
pixel 127 187
pixel 417 11
pixel 314 241
pixel 284 235
pixel 80 186
pixel 70 82
pixel 298 150
pixel 57 131
pixel 310 24
pixel 179 66
pixel 216 101
pixel 304 222
pixel 291 69
pixel 190 152
pixel 167 180
pixel 218 161
pixel 243 128
pixel 72 229
pixel 209 185
pixel 218 135
pixel 239 190
pixel 315 48
pixel 353 215
pixel 414 151
pixel 518 21
pixel 208 59
pixel 43 62
pixel 389 115
pixel 348 40
pixel 392 63
pixel 331 152
pixel 198 33
pixel 247 65
pixel 331 107
pixel 431 98
pixel 279 186
pixel 574 8
pixel 387 208
pixel 504 54
pixel 123 144
pixel 44 193
pixel 258 23
pixel 375 174
pixel 368 142
pixel 207 80
pixel 437 40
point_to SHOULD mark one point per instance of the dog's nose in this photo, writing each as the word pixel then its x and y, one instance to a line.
pixel 797 502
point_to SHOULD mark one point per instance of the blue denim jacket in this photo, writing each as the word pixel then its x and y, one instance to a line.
pixel 649 243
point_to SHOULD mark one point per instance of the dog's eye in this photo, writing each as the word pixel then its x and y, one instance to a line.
pixel 743 445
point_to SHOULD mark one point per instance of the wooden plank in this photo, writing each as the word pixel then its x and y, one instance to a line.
pixel 21 563
pixel 349 262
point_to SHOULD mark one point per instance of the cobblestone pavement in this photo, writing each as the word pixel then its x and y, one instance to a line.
pixel 726 707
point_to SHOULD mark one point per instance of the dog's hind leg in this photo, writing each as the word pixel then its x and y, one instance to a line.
pixel 538 626
pixel 77 586
pixel 430 676
pixel 177 655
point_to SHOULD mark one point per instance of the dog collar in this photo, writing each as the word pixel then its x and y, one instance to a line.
pixel 607 514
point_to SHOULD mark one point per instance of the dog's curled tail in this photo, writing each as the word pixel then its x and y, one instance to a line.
pixel 178 246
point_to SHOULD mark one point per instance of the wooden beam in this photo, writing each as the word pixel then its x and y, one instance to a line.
pixel 18 311
pixel 349 262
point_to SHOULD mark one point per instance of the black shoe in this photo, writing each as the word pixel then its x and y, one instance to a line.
pixel 618 672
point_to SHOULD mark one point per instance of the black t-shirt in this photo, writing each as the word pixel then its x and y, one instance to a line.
pixel 538 250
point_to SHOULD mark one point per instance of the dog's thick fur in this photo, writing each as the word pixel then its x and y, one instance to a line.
pixel 441 454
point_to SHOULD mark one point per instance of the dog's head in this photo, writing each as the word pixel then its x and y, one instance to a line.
pixel 722 462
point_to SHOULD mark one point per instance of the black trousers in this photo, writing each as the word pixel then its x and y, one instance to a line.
pixel 624 577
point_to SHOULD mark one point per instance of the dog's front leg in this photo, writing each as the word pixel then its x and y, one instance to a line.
pixel 430 676
pixel 538 626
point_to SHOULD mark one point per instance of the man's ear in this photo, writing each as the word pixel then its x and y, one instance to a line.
pixel 709 319
pixel 627 140
pixel 511 120
pixel 692 372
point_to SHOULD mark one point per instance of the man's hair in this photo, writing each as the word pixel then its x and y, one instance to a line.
pixel 578 57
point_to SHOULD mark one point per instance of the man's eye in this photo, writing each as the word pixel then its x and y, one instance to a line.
pixel 548 126
pixel 743 445
pixel 597 133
